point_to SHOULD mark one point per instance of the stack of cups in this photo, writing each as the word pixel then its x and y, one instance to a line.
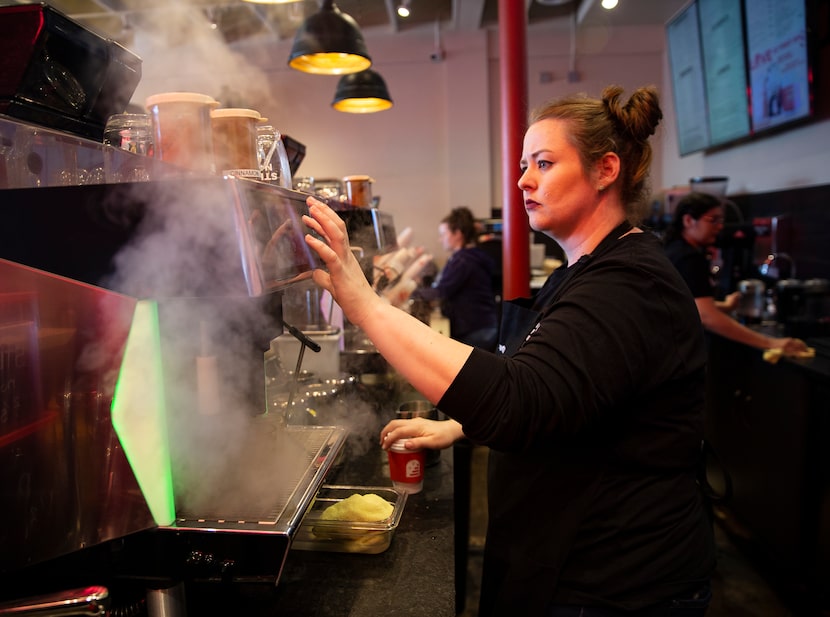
pixel 406 467
pixel 181 129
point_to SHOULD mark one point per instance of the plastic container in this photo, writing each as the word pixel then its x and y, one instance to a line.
pixel 182 132
pixel 325 363
pixel 235 141
pixel 358 190
pixel 315 534
pixel 274 166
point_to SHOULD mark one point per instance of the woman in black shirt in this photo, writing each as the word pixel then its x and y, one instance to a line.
pixel 697 220
pixel 592 407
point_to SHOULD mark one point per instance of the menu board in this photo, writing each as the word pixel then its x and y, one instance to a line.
pixel 722 42
pixel 688 86
pixel 779 75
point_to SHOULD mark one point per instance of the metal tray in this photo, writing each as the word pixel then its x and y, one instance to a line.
pixel 348 536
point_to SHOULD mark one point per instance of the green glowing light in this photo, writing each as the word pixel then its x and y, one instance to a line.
pixel 139 413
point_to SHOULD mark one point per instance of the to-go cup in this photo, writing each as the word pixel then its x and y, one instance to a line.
pixel 181 129
pixel 421 409
pixel 406 467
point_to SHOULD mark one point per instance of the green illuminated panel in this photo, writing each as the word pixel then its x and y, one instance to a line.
pixel 139 415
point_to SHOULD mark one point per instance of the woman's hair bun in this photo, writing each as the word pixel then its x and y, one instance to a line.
pixel 637 118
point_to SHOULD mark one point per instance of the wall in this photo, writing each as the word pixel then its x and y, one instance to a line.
pixel 439 146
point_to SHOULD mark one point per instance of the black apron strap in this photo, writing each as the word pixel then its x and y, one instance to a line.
pixel 520 316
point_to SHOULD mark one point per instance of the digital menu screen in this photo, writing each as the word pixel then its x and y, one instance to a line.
pixel 722 44
pixel 779 71
pixel 688 86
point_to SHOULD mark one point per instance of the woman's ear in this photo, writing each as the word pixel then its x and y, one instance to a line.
pixel 608 168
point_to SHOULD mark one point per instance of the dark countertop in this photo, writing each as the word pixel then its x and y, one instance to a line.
pixel 817 367
pixel 414 576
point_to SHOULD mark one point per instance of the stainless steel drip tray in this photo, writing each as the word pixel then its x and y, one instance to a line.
pixel 269 485
pixel 216 538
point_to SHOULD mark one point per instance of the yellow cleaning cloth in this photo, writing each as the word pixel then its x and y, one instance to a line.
pixel 774 355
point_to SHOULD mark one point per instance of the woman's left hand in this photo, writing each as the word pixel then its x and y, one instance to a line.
pixel 422 433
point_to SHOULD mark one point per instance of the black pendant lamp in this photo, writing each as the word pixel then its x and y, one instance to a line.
pixel 329 43
pixel 362 93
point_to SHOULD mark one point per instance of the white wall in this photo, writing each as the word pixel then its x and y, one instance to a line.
pixel 439 146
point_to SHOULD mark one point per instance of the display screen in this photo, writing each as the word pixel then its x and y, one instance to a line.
pixel 738 68
pixel 688 85
pixel 722 43
pixel 779 71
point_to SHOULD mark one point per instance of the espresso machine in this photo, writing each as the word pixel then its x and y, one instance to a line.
pixel 136 451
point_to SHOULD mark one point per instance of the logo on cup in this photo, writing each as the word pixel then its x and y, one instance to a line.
pixel 413 469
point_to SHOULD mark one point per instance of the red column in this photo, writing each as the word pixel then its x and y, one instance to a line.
pixel 513 72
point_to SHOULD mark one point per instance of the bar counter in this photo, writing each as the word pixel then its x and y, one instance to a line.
pixel 414 576
pixel 768 427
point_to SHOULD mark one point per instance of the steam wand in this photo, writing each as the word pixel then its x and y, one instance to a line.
pixel 304 342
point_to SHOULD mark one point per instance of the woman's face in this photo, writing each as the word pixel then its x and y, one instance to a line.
pixel 557 193
pixel 703 231
pixel 450 240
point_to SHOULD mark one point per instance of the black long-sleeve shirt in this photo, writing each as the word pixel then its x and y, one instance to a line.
pixel 595 427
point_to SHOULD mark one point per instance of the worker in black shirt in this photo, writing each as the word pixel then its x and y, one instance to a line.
pixel 592 406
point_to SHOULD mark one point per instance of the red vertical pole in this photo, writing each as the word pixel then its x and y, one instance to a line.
pixel 513 72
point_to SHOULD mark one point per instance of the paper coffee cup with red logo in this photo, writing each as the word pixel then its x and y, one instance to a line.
pixel 406 467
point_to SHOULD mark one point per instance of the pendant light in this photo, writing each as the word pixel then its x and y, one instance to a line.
pixel 329 43
pixel 362 93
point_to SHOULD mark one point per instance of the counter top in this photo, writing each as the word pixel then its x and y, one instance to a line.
pixel 414 576
pixel 817 367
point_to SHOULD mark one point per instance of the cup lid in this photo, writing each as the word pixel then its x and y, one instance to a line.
pixel 237 112
pixel 400 446
pixel 180 97
pixel 357 179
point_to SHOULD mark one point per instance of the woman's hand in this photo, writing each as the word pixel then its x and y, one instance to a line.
pixel 345 279
pixel 422 433
pixel 789 346
pixel 730 302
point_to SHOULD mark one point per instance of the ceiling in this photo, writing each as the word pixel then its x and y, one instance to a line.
pixel 238 20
